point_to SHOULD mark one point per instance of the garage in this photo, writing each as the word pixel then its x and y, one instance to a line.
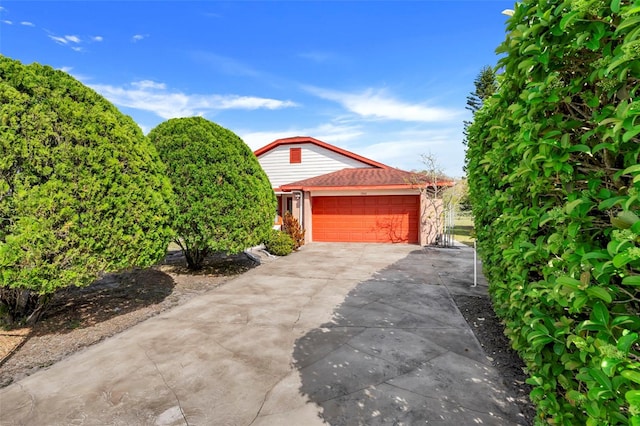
pixel 367 219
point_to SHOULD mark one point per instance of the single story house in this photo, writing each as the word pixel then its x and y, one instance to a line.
pixel 339 196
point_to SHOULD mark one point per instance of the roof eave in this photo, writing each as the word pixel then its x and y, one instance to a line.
pixel 309 139
pixel 346 188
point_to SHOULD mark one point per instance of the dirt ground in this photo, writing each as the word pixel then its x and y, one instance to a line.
pixel 479 314
pixel 80 317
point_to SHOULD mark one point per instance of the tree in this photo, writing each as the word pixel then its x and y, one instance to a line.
pixel 434 185
pixel 485 85
pixel 223 197
pixel 82 192
pixel 457 196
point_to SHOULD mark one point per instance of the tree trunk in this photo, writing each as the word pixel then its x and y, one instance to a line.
pixel 23 306
pixel 195 258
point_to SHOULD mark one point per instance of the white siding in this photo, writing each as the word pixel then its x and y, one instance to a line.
pixel 316 161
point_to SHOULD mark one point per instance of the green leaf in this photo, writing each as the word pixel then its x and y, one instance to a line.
pixel 628 135
pixel 633 280
pixel 600 293
pixel 628 217
pixel 601 378
pixel 600 313
pixel 580 148
pixel 595 255
pixel 572 283
pixel 610 202
pixel 615 6
pixel 632 375
pixel 633 397
pixel 632 169
pixel 609 365
pixel 632 320
pixel 592 326
pixel 572 205
pixel 568 18
pixel 629 22
pixel 599 393
pixel 621 259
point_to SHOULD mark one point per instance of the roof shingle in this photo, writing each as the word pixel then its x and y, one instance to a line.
pixel 359 178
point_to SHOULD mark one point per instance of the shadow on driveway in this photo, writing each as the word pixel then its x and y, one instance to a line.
pixel 398 351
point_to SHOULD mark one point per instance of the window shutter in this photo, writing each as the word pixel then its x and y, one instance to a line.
pixel 295 155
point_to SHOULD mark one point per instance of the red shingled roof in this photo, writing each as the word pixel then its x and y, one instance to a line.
pixel 361 178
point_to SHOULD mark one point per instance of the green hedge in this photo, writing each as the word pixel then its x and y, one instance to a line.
pixel 82 191
pixel 279 243
pixel 554 182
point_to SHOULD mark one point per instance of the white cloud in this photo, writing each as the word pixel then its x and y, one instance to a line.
pixel 379 105
pixel 59 40
pixel 138 37
pixel 405 149
pixel 6 21
pixel 250 102
pixel 66 39
pixel 74 42
pixel 148 84
pixel 27 24
pixel 152 96
pixel 334 134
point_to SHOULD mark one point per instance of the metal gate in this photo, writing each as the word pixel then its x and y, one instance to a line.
pixel 446 238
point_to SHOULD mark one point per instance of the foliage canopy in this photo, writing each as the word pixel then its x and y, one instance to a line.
pixel 224 199
pixel 82 191
pixel 554 183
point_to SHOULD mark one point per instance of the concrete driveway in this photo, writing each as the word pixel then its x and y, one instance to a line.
pixel 339 334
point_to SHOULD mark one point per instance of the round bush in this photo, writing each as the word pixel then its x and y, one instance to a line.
pixel 82 191
pixel 279 243
pixel 224 199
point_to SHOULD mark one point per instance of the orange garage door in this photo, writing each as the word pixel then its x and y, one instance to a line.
pixel 368 219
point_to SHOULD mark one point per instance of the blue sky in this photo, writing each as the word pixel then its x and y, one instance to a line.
pixel 385 79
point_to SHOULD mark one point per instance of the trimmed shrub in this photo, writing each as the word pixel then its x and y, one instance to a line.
pixel 224 199
pixel 279 243
pixel 82 191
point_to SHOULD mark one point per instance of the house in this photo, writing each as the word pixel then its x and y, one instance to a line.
pixel 339 196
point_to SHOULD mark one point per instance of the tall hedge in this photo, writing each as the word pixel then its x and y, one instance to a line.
pixel 554 182
pixel 82 191
pixel 224 199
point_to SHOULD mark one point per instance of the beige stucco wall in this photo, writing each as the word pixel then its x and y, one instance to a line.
pixel 307 217
pixel 429 230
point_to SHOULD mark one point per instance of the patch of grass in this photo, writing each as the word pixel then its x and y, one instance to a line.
pixel 463 231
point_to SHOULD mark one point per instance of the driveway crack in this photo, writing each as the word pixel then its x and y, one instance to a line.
pixel 266 396
pixel 175 395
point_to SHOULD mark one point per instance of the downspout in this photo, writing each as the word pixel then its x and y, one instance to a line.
pixel 301 199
